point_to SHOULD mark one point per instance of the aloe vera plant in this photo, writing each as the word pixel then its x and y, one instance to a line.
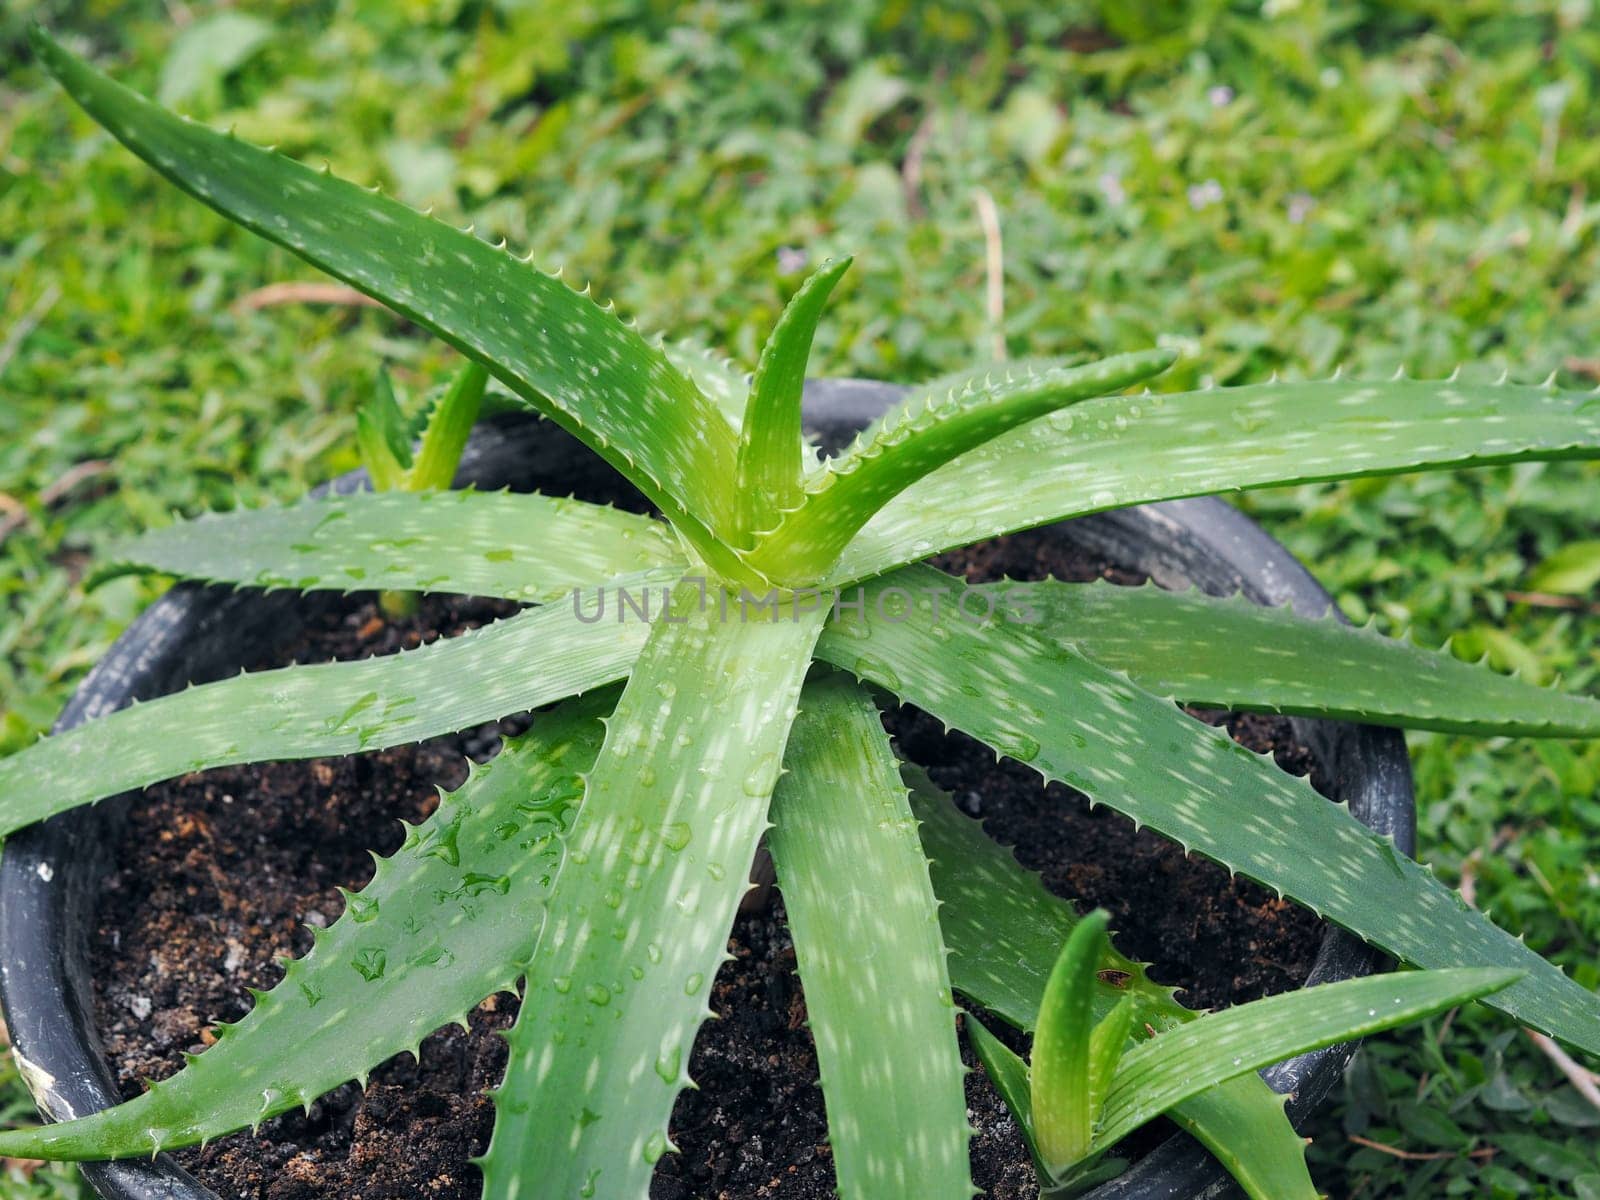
pixel 600 858
pixel 1091 1082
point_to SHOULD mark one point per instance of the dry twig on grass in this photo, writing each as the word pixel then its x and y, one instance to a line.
pixel 27 1166
pixel 303 292
pixel 993 270
pixel 1420 1155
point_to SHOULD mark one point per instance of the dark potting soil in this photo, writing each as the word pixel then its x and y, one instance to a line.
pixel 219 873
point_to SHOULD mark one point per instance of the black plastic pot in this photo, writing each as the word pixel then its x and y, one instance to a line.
pixel 50 873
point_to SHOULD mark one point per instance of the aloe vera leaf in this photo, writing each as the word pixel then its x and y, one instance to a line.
pixel 1004 930
pixel 1230 653
pixel 975 375
pixel 770 443
pixel 1107 1041
pixel 522 662
pixel 1060 1086
pixel 1125 450
pixel 450 918
pixel 516 546
pixel 866 935
pixel 1009 1074
pixel 1246 1129
pixel 449 426
pixel 638 923
pixel 915 438
pixel 1211 1053
pixel 1095 730
pixel 558 350
pixel 1187 1059
pixel 380 436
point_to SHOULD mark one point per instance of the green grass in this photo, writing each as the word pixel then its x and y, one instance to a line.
pixel 50 1182
pixel 1407 184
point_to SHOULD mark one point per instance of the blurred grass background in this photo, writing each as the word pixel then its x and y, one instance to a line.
pixel 1268 185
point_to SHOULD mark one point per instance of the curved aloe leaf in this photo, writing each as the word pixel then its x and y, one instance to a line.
pixel 639 920
pixel 1243 1124
pixel 511 666
pixel 1062 1093
pixel 1230 653
pixel 1125 450
pixel 866 934
pixel 1009 1074
pixel 918 435
pixel 382 437
pixel 557 349
pixel 1207 1055
pixel 519 547
pixel 448 426
pixel 770 443
pixel 1187 1059
pixel 1004 930
pixel 450 918
pixel 1093 729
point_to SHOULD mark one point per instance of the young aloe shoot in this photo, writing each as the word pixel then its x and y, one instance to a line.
pixel 772 451
pixel 1092 1081
pixel 601 858
pixel 385 436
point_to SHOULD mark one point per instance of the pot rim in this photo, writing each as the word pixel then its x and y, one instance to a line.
pixel 50 872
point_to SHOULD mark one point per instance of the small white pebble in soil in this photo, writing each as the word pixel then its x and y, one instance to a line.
pixel 235 958
pixel 139 1006
pixel 316 920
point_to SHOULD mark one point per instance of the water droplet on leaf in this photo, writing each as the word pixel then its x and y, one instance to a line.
pixel 667 1065
pixel 676 835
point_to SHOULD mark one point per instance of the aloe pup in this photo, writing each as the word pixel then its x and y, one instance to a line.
pixel 1094 1080
pixel 599 859
pixel 384 436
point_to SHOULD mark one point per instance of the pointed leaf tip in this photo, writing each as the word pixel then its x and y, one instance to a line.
pixel 559 352
pixel 771 465
pixel 40 41
pixel 1062 1091
pixel 1196 443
